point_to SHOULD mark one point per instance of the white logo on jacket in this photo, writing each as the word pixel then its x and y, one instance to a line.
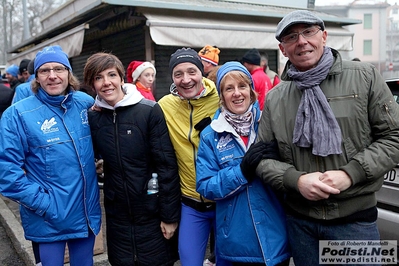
pixel 48 126
pixel 84 116
pixel 223 143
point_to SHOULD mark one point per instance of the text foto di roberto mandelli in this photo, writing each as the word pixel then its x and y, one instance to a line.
pixel 358 242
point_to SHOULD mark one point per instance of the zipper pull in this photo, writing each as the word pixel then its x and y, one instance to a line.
pixel 114 116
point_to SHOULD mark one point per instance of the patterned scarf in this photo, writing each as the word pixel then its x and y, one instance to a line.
pixel 241 123
pixel 315 123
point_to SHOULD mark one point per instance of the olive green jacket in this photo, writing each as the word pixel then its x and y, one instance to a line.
pixel 369 120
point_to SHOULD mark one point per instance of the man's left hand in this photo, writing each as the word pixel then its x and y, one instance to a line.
pixel 337 179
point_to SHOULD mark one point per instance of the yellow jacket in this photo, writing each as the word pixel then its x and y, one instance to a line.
pixel 181 116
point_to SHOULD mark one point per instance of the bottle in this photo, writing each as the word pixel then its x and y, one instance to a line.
pixel 153 184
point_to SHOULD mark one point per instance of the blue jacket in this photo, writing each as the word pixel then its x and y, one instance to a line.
pixel 47 166
pixel 23 90
pixel 250 222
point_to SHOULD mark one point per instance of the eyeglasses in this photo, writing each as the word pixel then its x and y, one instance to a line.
pixel 293 37
pixel 46 71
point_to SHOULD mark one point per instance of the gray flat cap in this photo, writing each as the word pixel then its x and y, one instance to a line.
pixel 297 17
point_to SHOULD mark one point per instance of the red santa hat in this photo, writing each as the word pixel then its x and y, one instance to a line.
pixel 135 69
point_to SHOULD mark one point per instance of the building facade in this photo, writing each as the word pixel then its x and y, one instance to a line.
pixel 376 39
pixel 152 30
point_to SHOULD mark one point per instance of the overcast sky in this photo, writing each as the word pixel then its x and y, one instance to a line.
pixel 344 2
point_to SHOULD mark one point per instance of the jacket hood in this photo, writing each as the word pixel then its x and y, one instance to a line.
pixel 132 96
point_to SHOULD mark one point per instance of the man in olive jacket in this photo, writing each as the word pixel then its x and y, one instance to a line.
pixel 337 129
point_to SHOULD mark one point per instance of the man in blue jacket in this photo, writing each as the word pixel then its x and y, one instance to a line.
pixel 24 90
pixel 47 163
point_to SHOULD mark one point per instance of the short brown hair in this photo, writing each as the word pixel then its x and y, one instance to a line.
pixel 99 62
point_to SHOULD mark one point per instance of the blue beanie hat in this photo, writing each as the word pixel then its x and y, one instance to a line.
pixel 51 54
pixel 13 70
pixel 231 66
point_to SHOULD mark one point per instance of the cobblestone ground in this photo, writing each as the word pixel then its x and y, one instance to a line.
pixel 8 255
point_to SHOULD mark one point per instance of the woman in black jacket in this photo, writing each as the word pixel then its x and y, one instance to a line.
pixel 130 134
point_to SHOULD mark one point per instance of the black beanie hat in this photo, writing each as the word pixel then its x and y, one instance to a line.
pixel 252 57
pixel 23 66
pixel 185 55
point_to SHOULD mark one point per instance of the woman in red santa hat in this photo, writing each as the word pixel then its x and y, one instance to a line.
pixel 142 74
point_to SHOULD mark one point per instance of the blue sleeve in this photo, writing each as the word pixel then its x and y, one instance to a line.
pixel 84 98
pixel 14 183
pixel 216 181
pixel 21 92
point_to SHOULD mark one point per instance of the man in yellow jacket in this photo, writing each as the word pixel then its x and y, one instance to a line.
pixel 188 109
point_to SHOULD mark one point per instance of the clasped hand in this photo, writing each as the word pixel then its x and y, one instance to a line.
pixel 253 156
pixel 316 186
pixel 168 230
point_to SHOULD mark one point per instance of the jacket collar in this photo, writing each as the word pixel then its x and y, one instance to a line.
pixel 58 101
pixel 132 96
pixel 209 89
pixel 219 124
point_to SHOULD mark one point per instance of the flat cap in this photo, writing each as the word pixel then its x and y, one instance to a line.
pixel 297 17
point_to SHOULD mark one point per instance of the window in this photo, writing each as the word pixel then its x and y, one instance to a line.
pixel 367 45
pixel 395 11
pixel 367 23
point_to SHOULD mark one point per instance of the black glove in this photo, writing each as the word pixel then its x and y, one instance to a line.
pixel 203 124
pixel 251 159
pixel 271 151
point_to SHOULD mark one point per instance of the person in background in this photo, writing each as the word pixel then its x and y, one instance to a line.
pixel 209 57
pixel 188 109
pixel 244 234
pixel 337 129
pixel 24 90
pixel 142 74
pixel 212 74
pixel 273 76
pixel 23 70
pixel 262 84
pixel 12 76
pixel 6 94
pixel 47 163
pixel 140 225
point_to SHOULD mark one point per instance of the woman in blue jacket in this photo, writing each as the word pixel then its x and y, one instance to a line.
pixel 250 223
pixel 47 163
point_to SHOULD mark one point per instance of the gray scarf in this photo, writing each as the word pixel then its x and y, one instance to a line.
pixel 315 122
